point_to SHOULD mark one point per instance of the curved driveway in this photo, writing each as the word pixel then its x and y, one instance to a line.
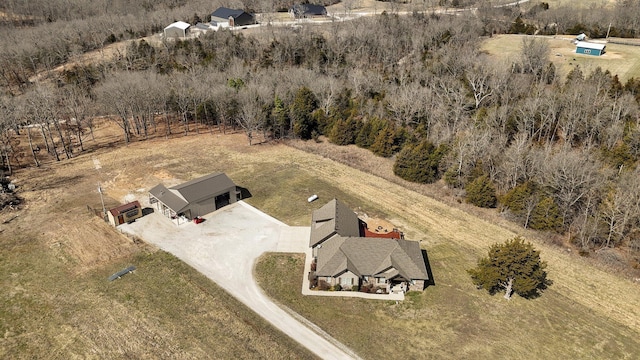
pixel 224 248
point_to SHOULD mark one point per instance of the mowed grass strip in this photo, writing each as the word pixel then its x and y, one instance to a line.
pixel 621 60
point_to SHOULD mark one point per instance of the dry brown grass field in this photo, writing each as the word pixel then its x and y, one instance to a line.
pixel 56 301
pixel 621 60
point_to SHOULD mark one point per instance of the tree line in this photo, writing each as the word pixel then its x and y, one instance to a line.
pixel 553 154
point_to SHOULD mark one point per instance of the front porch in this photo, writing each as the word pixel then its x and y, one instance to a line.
pixel 177 218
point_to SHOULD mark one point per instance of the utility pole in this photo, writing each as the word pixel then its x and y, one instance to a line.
pixel 608 30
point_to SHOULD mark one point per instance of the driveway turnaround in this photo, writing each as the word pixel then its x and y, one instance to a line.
pixel 225 247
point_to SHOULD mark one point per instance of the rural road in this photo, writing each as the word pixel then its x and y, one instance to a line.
pixel 224 248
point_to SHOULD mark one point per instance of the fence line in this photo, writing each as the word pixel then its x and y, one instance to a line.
pixel 97 213
pixel 133 238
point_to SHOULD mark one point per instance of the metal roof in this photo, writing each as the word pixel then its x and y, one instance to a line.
pixel 308 9
pixel 179 24
pixel 168 197
pixel 225 13
pixel 203 187
pixel 588 45
pixel 180 196
pixel 124 208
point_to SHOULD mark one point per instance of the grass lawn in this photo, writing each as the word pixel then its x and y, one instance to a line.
pixel 165 309
pixel 623 60
pixel 56 301
pixel 449 321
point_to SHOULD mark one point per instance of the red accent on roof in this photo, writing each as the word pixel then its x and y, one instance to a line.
pixel 124 208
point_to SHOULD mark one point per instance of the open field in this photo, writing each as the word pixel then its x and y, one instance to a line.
pixel 56 302
pixel 56 293
pixel 623 60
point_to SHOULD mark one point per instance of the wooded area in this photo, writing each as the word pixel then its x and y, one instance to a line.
pixel 553 154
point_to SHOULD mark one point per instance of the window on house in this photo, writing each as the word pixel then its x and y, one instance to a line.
pixel 381 280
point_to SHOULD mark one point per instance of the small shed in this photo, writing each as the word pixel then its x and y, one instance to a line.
pixel 177 30
pixel 124 213
pixel 225 17
pixel 196 197
pixel 588 48
pixel 581 37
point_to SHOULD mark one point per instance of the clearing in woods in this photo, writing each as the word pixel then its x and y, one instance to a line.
pixel 58 258
pixel 621 60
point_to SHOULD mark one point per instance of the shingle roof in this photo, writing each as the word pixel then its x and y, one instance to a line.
pixel 331 260
pixel 331 219
pixel 180 196
pixel 370 257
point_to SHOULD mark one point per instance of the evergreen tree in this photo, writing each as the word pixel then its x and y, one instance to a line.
pixel 304 104
pixel 419 163
pixel 280 118
pixel 370 131
pixel 522 200
pixel 546 215
pixel 481 192
pixel 384 144
pixel 344 131
pixel 512 267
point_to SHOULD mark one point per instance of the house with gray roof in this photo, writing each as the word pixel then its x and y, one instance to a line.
pixel 343 256
pixel 225 17
pixel 307 10
pixel 196 197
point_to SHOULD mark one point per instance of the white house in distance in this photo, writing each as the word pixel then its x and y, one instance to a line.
pixel 177 30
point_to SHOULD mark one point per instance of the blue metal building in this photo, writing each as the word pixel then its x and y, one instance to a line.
pixel 583 47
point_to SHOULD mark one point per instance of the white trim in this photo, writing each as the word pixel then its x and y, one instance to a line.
pixel 588 45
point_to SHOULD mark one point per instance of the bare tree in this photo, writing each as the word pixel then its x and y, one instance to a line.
pixel 252 117
pixel 479 78
pixel 620 209
pixel 114 96
pixel 534 56
pixel 571 176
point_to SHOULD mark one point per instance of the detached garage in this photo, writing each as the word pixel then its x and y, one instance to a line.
pixel 583 47
pixel 177 30
pixel 196 197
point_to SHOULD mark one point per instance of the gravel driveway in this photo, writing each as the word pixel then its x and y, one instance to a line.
pixel 224 248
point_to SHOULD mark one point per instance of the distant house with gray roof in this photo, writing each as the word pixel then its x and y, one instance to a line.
pixel 196 197
pixel 225 17
pixel 307 10
pixel 344 256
